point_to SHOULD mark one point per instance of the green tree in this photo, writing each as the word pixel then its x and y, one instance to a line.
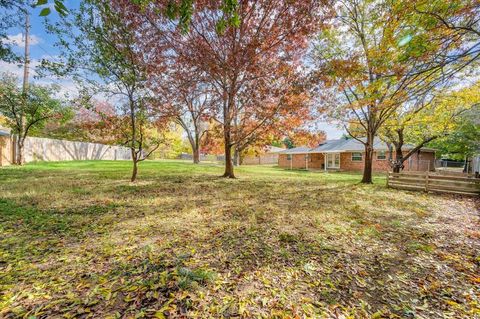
pixel 26 112
pixel 99 51
pixel 11 14
pixel 464 140
pixel 364 70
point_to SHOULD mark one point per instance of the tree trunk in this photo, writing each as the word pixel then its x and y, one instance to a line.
pixel 367 169
pixel 196 155
pixel 22 134
pixel 133 147
pixel 135 166
pixel 19 160
pixel 398 163
pixel 228 156
pixel 236 157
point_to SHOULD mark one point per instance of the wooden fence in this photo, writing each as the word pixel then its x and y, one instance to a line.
pixel 434 182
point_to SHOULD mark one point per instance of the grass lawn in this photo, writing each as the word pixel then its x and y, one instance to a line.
pixel 77 240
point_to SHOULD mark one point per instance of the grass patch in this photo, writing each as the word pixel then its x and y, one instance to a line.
pixel 77 239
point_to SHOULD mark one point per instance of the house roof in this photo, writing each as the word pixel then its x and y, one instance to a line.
pixel 344 145
pixel 4 133
pixel 296 150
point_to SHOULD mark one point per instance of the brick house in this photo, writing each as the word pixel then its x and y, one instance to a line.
pixel 348 155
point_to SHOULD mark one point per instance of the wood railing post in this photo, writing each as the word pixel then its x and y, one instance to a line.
pixel 426 182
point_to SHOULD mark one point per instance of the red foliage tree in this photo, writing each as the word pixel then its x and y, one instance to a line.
pixel 252 63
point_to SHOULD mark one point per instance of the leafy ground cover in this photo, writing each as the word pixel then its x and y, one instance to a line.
pixel 77 240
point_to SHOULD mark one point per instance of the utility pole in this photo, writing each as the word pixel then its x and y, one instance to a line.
pixel 27 53
pixel 26 69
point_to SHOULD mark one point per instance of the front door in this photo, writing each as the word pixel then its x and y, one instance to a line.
pixel 333 161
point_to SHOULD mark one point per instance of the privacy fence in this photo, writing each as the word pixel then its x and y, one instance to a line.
pixel 45 149
pixel 465 184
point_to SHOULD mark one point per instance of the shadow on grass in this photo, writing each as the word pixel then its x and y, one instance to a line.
pixel 137 255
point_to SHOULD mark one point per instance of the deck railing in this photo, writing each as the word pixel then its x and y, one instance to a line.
pixel 434 182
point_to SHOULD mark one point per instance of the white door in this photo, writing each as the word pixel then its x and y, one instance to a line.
pixel 333 160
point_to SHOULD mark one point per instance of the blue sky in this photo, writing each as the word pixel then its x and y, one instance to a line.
pixel 42 47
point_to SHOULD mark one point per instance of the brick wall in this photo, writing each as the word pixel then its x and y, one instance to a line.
pixel 297 161
pixel 420 162
pixel 346 163
pixel 315 161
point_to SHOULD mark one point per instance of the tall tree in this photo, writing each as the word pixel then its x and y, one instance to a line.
pixel 99 49
pixel 252 65
pixel 364 71
pixel 188 99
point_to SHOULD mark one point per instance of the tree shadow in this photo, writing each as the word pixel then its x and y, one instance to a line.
pixel 256 235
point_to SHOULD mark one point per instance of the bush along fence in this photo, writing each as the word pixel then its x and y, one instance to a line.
pixel 467 184
pixel 45 149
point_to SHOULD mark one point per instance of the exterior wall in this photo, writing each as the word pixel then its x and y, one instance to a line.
pixel 346 163
pixel 315 161
pixel 417 162
pixel 297 162
pixel 6 151
pixel 44 149
pixel 422 161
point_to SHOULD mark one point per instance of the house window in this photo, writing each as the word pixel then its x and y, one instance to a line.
pixel 289 157
pixel 356 157
pixel 381 155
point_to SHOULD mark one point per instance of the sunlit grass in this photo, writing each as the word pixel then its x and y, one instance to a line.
pixel 77 239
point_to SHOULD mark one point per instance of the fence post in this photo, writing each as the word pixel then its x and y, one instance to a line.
pixel 426 182
pixel 388 178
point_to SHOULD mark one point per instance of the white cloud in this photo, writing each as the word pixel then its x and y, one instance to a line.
pixel 18 40
pixel 12 68
pixel 17 69
pixel 66 86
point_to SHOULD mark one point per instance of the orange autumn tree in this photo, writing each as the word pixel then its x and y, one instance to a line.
pixel 252 59
pixel 308 137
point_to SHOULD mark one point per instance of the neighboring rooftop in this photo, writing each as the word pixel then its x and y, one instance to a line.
pixel 273 149
pixel 4 133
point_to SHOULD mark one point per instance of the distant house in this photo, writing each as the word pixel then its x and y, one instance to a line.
pixel 349 155
pixel 268 156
